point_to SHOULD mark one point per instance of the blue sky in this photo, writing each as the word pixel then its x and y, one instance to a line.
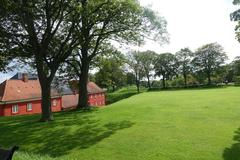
pixel 191 23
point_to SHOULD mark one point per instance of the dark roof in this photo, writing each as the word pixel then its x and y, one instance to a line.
pixel 66 90
pixel 20 76
pixel 92 88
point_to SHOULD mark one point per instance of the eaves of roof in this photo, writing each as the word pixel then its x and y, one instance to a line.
pixel 25 100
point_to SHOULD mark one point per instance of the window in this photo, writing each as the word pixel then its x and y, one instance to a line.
pixel 29 107
pixel 15 108
pixel 54 103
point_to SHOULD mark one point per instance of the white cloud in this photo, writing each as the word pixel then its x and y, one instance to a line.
pixel 192 23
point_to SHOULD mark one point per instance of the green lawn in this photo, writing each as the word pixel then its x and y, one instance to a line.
pixel 169 125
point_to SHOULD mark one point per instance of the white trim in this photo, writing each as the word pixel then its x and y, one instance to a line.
pixel 29 106
pixel 54 103
pixel 15 109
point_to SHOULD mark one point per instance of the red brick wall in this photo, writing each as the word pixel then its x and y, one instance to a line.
pixel 36 108
pixel 97 99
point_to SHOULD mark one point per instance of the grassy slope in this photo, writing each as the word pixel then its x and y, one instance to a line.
pixel 123 93
pixel 169 125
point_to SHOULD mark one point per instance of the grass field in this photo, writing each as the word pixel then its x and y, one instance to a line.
pixel 169 125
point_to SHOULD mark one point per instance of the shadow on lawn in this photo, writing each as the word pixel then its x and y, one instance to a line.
pixel 70 131
pixel 233 153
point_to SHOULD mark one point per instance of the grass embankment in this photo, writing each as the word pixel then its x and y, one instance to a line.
pixel 123 93
pixel 168 125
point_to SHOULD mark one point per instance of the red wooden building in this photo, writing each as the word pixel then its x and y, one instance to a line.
pixel 20 95
pixel 23 96
pixel 96 97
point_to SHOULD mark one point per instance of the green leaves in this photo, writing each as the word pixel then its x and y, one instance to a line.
pixel 236 2
pixel 235 16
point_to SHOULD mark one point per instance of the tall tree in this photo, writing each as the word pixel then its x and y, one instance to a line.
pixel 42 31
pixel 184 57
pixel 130 78
pixel 166 67
pixel 110 70
pixel 146 60
pixel 4 61
pixel 209 58
pixel 133 60
pixel 236 66
pixel 235 16
pixel 105 20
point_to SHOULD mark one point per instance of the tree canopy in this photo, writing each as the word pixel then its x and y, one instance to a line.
pixel 184 58
pixel 146 60
pixel 102 21
pixel 166 66
pixel 209 58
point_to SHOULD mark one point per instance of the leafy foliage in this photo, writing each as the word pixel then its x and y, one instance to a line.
pixel 166 66
pixel 43 32
pixel 208 59
pixel 101 21
pixel 146 62
pixel 184 58
pixel 111 71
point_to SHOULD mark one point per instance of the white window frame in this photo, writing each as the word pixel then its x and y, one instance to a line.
pixel 54 103
pixel 29 108
pixel 15 109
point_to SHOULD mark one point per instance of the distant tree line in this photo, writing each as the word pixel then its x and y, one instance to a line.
pixel 206 66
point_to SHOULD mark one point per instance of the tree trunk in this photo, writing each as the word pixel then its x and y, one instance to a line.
pixel 83 81
pixel 209 78
pixel 45 83
pixel 185 79
pixel 138 86
pixel 113 88
pixel 149 84
pixel 137 83
pixel 163 82
pixel 46 102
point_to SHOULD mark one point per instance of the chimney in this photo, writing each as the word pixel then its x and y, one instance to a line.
pixel 25 77
pixel 74 92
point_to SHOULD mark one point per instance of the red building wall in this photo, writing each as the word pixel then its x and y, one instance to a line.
pixel 22 108
pixel 97 99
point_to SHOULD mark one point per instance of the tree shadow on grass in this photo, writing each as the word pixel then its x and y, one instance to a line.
pixel 69 132
pixel 233 153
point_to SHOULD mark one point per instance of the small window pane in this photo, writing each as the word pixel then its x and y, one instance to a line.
pixel 29 106
pixel 15 109
pixel 54 103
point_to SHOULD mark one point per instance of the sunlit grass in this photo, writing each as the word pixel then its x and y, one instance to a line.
pixel 167 125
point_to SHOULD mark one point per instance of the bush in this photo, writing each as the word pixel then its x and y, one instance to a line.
pixel 114 97
pixel 177 82
pixel 188 87
pixel 236 81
